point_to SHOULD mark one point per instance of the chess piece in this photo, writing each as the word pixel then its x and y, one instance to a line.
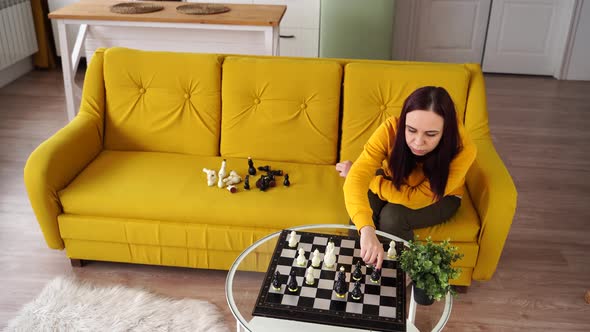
pixel 264 168
pixel 356 293
pixel 329 258
pixel 316 260
pixel 211 176
pixel 251 168
pixel 233 178
pixel 301 260
pixel 292 286
pixel 286 182
pixel 340 286
pixel 232 189
pixel 247 182
pixel 292 239
pixel 221 174
pixel 391 253
pixel 276 172
pixel 276 282
pixel 357 274
pixel 375 276
pixel 309 278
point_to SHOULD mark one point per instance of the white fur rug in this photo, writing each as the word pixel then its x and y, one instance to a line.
pixel 67 304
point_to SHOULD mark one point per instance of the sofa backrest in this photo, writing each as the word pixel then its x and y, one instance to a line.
pixel 162 101
pixel 281 109
pixel 374 92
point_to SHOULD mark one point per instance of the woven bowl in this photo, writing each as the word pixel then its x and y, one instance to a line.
pixel 135 8
pixel 202 9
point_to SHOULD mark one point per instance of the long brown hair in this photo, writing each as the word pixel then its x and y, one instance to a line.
pixel 437 162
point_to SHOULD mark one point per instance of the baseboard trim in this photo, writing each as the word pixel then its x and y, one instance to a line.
pixel 9 74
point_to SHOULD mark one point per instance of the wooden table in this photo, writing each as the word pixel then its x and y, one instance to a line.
pixel 245 29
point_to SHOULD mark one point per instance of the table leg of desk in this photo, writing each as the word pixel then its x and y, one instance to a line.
pixel 66 67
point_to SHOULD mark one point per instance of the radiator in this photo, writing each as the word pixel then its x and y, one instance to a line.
pixel 17 32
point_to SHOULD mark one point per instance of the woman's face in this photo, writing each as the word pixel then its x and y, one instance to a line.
pixel 424 130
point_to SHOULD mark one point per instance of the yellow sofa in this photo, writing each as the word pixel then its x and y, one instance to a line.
pixel 123 181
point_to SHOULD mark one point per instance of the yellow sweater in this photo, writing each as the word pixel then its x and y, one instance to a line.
pixel 415 193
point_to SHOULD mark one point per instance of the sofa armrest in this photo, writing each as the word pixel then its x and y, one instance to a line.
pixel 58 160
pixel 53 165
pixel 494 197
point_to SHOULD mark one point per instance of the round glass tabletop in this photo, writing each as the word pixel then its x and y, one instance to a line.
pixel 243 286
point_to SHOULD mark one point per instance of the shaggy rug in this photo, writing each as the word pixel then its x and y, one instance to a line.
pixel 67 304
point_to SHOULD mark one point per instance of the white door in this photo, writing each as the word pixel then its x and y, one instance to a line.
pixel 441 30
pixel 527 36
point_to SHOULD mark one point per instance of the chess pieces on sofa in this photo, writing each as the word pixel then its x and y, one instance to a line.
pixel 211 176
pixel 221 174
pixel 251 168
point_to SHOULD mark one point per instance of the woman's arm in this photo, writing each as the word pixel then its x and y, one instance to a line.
pixel 362 171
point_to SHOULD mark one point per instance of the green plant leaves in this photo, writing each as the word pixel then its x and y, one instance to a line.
pixel 429 265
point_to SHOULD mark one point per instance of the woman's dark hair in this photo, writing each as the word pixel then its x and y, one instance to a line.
pixel 436 163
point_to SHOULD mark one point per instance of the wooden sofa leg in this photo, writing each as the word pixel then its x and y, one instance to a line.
pixel 461 289
pixel 76 262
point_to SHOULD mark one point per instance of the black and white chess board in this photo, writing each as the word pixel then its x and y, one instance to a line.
pixel 381 307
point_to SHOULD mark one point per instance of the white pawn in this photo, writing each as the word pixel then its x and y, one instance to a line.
pixel 233 178
pixel 391 253
pixel 221 174
pixel 329 258
pixel 292 239
pixel 301 260
pixel 309 278
pixel 211 176
pixel 316 259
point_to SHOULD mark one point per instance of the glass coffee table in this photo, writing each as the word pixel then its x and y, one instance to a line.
pixel 242 288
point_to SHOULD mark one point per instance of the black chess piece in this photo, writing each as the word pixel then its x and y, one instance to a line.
pixel 276 172
pixel 286 181
pixel 251 168
pixel 356 293
pixel 264 168
pixel 340 286
pixel 376 275
pixel 276 282
pixel 247 182
pixel 292 286
pixel 357 274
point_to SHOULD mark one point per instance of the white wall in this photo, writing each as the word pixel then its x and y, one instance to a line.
pixel 579 65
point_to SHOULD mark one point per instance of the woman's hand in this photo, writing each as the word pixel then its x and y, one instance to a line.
pixel 343 168
pixel 371 249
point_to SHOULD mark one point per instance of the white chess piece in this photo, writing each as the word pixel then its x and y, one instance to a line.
pixel 309 278
pixel 330 248
pixel 316 259
pixel 221 174
pixel 301 260
pixel 292 239
pixel 391 253
pixel 233 178
pixel 329 258
pixel 211 176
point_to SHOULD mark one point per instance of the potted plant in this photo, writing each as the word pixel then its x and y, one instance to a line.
pixel 428 264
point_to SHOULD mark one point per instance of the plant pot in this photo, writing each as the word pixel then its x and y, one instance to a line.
pixel 420 296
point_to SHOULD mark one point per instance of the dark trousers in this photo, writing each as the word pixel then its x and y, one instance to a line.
pixel 401 221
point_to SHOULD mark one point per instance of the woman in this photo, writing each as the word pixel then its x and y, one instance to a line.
pixel 413 168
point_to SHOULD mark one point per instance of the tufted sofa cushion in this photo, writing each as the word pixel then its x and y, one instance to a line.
pixel 374 92
pixel 171 108
pixel 281 109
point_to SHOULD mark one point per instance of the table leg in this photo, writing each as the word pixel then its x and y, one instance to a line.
pixel 66 67
pixel 269 41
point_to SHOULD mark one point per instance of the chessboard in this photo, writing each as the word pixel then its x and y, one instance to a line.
pixel 381 307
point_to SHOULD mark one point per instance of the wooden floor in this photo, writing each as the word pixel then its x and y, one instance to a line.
pixel 541 128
